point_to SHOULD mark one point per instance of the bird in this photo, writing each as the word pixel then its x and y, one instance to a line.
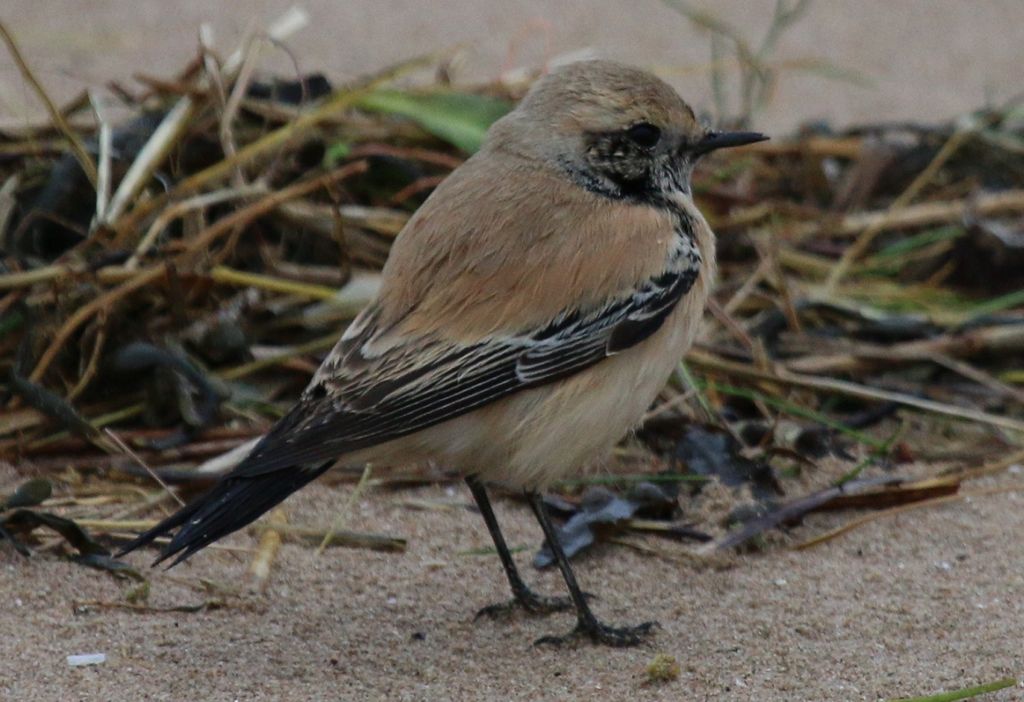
pixel 529 313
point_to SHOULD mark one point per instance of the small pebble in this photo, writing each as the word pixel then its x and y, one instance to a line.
pixel 87 659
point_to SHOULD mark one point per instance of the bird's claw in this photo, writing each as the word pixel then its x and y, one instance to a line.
pixel 618 637
pixel 528 601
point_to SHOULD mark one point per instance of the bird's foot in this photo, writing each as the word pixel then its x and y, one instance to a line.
pixel 600 633
pixel 528 601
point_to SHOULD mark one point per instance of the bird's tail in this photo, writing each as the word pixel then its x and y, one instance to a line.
pixel 232 503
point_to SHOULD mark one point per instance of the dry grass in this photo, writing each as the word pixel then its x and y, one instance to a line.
pixel 869 316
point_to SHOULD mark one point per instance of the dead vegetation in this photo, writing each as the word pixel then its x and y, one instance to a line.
pixel 171 278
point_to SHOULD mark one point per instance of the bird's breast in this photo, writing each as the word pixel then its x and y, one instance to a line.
pixel 551 432
pixel 537 436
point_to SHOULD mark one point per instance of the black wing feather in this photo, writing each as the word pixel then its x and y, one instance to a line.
pixel 460 379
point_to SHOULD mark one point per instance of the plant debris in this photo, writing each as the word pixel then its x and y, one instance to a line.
pixel 600 511
pixel 663 668
pixel 170 282
pixel 81 659
pixel 18 520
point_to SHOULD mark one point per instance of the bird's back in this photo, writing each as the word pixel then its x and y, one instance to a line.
pixel 506 243
pixel 529 255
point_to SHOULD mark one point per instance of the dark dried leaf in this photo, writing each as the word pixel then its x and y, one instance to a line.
pixel 197 398
pixel 53 406
pixel 29 494
pixel 57 215
pixel 102 561
pixel 22 522
pixel 292 92
pixel 600 510
pixel 716 454
pixel 872 493
pixel 990 258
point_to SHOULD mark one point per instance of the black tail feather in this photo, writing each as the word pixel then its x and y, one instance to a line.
pixel 230 505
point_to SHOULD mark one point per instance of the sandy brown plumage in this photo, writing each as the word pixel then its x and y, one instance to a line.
pixel 529 313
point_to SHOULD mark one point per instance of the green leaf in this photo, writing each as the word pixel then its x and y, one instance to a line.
pixel 998 304
pixel 11 322
pixel 336 152
pixel 461 119
pixel 917 241
pixel 963 694
pixel 798 411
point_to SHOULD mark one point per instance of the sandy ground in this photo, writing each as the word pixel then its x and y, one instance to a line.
pixel 911 604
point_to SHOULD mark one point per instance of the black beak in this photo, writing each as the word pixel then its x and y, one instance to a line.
pixel 713 141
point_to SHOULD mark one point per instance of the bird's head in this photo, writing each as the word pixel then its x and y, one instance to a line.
pixel 615 129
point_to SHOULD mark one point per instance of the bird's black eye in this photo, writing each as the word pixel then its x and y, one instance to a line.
pixel 644 134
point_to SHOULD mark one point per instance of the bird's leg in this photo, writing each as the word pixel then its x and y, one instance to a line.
pixel 524 597
pixel 586 623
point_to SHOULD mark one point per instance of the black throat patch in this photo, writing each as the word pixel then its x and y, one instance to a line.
pixel 616 168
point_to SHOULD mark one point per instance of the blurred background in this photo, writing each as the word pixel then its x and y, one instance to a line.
pixel 843 62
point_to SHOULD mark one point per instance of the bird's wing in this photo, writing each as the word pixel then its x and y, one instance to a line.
pixel 360 399
pixel 457 326
pixel 364 402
